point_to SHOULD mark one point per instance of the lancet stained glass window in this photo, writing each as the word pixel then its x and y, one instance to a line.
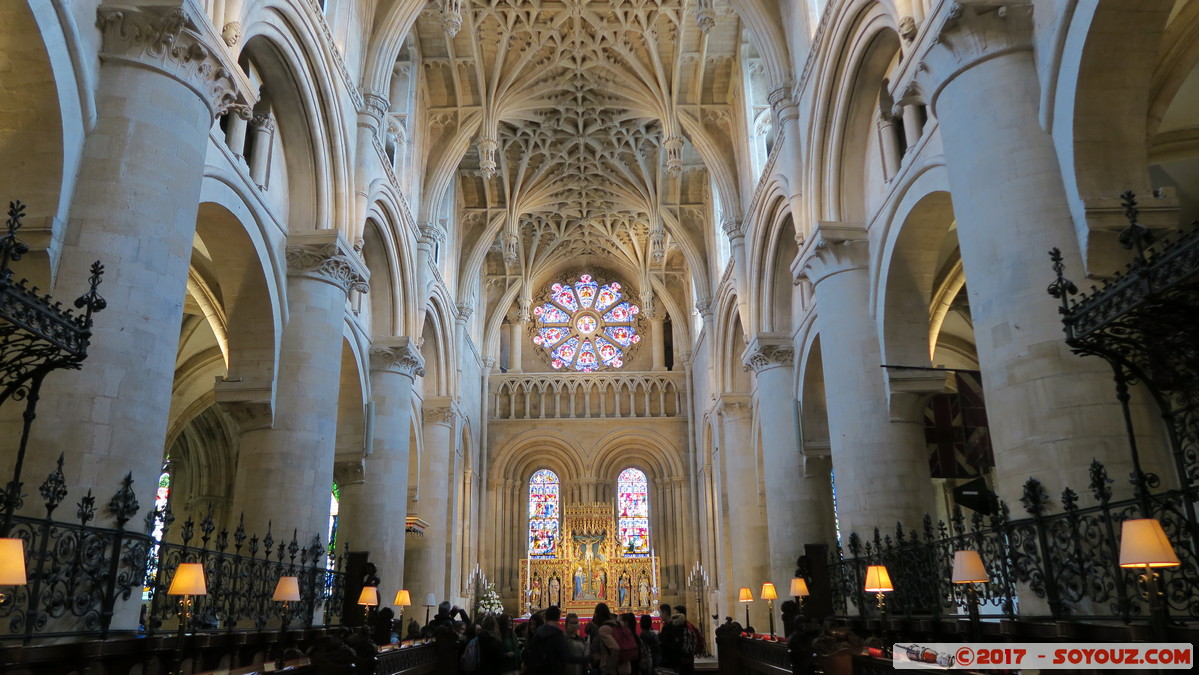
pixel 586 325
pixel 543 514
pixel 632 513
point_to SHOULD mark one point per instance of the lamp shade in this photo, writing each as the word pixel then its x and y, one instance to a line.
pixel 1143 543
pixel 745 595
pixel 369 596
pixel 430 600
pixel 188 580
pixel 403 599
pixel 799 587
pixel 878 580
pixel 287 590
pixel 12 562
pixel 768 592
pixel 968 568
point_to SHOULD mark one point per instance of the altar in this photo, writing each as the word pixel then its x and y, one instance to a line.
pixel 586 565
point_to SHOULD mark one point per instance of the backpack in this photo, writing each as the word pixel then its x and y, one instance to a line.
pixel 687 644
pixel 470 657
pixel 629 651
pixel 536 656
pixel 647 659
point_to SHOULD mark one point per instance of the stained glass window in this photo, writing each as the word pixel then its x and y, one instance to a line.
pixel 632 513
pixel 543 514
pixel 586 325
pixel 161 497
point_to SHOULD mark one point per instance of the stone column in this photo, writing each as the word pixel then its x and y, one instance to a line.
pixel 161 84
pixel 427 571
pixel 263 128
pixel 1050 411
pixel 235 131
pixel 892 153
pixel 516 342
pixel 794 516
pixel 372 525
pixel 881 468
pixel 746 542
pixel 657 324
pixel 285 473
pixel 913 128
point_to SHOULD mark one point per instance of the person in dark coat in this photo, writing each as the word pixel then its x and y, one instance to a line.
pixel 547 652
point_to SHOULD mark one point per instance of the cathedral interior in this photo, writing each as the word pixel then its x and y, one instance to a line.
pixel 635 301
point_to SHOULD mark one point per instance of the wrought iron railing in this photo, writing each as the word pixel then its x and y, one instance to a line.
pixel 242 571
pixel 1063 555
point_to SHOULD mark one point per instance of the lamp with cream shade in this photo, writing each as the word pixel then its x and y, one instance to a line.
pixel 12 564
pixel 968 569
pixel 188 582
pixel 369 597
pixel 770 595
pixel 878 581
pixel 287 591
pixel 403 599
pixel 1143 543
pixel 745 596
pixel 799 591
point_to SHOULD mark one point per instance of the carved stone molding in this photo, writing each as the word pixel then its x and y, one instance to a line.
pixel 440 415
pixel 164 39
pixel 731 226
pixel 431 233
pixel 705 15
pixel 704 307
pixel 464 310
pixel 326 257
pixel 764 353
pixel 397 355
pixel 833 248
pixel 732 407
pixel 674 154
pixel 232 33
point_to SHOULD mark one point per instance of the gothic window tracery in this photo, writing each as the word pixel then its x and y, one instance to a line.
pixel 632 513
pixel 543 514
pixel 586 325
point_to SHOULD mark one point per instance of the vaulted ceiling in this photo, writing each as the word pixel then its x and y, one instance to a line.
pixel 570 129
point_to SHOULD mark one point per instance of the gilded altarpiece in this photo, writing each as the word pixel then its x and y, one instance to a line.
pixel 589 568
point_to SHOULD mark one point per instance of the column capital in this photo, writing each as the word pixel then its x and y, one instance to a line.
pixel 168 40
pixel 732 227
pixel 704 307
pixel 251 407
pixel 765 352
pixel 464 310
pixel 834 247
pixel 908 391
pixel 971 32
pixel 732 406
pixel 431 233
pixel 397 355
pixel 440 410
pixel 325 255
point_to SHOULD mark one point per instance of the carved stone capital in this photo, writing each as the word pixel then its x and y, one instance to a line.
pixel 397 355
pixel 326 256
pixel 375 104
pixel 263 122
pixel 464 310
pixel 440 415
pixel 731 226
pixel 431 233
pixel 523 314
pixel 731 407
pixel 764 353
pixel 968 36
pixel 251 407
pixel 834 247
pixel 704 307
pixel 165 39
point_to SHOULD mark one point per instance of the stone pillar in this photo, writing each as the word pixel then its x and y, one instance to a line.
pixel 913 127
pixel 427 572
pixel 235 131
pixel 285 473
pixel 794 516
pixel 746 542
pixel 160 86
pixel 516 343
pixel 881 468
pixel 657 326
pixel 892 153
pixel 1050 411
pixel 260 154
pixel 370 523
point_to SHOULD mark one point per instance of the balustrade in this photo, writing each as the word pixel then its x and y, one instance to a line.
pixel 592 395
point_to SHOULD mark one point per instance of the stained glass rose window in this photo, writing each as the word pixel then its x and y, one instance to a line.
pixel 585 325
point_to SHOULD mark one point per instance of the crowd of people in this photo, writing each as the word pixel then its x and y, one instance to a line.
pixel 552 644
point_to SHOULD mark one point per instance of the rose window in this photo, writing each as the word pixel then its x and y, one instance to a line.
pixel 585 325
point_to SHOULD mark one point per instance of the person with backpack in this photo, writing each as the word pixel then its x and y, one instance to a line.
pixel 644 665
pixel 617 649
pixel 546 652
pixel 649 637
pixel 681 642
